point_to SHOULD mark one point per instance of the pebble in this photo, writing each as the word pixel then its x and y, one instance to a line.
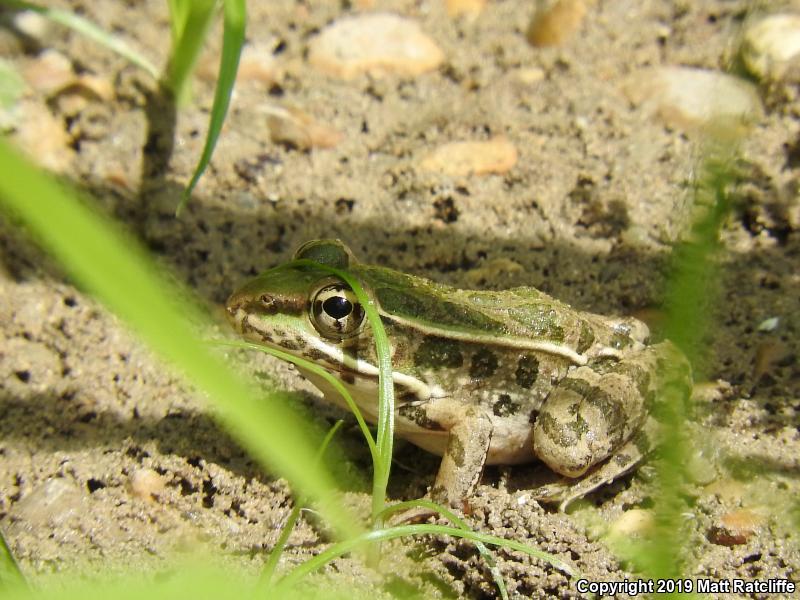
pixel 257 64
pixel 379 44
pixel 771 46
pixel 294 127
pixel 42 137
pixel 735 528
pixel 29 367
pixel 689 98
pixel 49 72
pixel 729 491
pixel 146 484
pixel 554 22
pixel 48 504
pixel 464 8
pixel 529 76
pixel 632 523
pixel 32 24
pixel 458 159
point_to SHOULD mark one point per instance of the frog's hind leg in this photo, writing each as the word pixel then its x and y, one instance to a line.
pixel 624 459
pixel 591 413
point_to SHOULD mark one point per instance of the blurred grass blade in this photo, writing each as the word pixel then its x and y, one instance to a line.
pixel 89 30
pixel 307 365
pixel 199 578
pixel 272 562
pixel 348 545
pixel 10 575
pixel 115 268
pixel 690 298
pixel 384 437
pixel 190 20
pixel 232 41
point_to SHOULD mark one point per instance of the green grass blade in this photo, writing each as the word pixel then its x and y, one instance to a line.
pixel 190 20
pixel 692 287
pixel 232 41
pixel 485 553
pixel 317 370
pixel 385 433
pixel 117 270
pixel 385 425
pixel 350 544
pixel 10 575
pixel 272 562
pixel 89 30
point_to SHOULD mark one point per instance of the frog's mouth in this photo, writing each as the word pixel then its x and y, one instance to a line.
pixel 268 331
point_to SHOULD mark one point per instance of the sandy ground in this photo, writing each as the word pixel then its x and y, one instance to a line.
pixel 91 423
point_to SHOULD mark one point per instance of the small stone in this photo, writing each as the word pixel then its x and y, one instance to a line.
pixel 146 484
pixel 257 63
pixel 689 98
pixel 49 72
pixel 729 491
pixel 43 137
pixel 48 504
pixel 555 21
pixel 465 8
pixel 294 127
pixel 28 367
pixel 82 91
pixel 632 523
pixel 530 76
pixel 378 44
pixel 32 24
pixel 771 46
pixel 735 528
pixel 770 324
pixel 458 159
pixel 769 355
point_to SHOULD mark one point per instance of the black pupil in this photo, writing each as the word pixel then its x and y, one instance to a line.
pixel 337 307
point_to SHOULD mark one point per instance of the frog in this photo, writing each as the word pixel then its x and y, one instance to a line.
pixel 480 377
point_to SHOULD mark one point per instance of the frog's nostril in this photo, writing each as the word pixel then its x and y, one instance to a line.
pixel 269 304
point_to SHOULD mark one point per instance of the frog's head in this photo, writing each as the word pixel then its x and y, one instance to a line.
pixel 301 306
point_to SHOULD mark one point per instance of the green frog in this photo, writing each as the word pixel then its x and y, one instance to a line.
pixel 480 377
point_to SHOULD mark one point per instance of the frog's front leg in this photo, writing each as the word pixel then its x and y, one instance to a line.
pixel 594 411
pixel 462 464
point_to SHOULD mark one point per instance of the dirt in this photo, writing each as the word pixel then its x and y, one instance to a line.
pixel 92 423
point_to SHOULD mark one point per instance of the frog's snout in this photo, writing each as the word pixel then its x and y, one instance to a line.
pixel 233 304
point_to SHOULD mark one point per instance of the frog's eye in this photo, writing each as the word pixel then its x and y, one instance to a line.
pixel 336 312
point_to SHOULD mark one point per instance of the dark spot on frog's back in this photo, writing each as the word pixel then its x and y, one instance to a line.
pixel 484 364
pixel 505 407
pixel 527 371
pixel 438 353
pixel 417 415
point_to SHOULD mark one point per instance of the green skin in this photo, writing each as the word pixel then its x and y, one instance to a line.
pixel 480 377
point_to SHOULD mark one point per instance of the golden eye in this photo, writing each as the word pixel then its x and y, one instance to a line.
pixel 336 312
